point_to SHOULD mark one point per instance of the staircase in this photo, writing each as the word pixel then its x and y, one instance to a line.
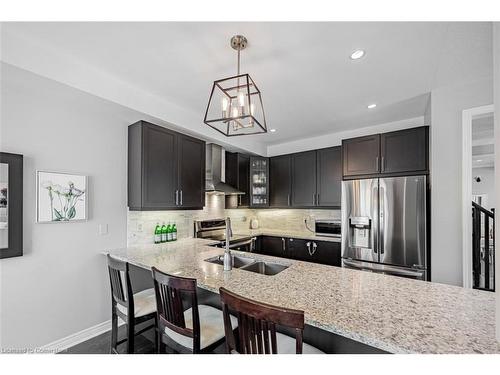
pixel 483 248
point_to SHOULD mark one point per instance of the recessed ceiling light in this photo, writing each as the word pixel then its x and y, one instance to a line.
pixel 272 130
pixel 478 160
pixel 359 53
pixel 371 106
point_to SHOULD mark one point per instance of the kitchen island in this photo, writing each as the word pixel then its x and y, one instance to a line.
pixel 390 313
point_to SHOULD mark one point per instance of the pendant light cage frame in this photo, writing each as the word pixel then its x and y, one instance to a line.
pixel 235 104
pixel 250 118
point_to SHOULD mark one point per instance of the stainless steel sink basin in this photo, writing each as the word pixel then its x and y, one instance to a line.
pixel 238 262
pixel 265 268
pixel 251 265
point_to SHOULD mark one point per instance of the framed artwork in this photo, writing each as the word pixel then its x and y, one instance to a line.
pixel 11 205
pixel 60 197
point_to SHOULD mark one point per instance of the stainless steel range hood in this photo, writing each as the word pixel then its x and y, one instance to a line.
pixel 213 169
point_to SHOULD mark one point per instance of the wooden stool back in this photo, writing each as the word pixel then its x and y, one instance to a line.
pixel 257 324
pixel 169 291
pixel 121 289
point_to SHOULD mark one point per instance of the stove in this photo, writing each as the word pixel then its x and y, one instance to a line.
pixel 215 229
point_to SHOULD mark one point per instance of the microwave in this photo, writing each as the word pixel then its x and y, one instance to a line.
pixel 329 228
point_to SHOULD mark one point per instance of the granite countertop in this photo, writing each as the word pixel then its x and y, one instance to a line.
pixel 390 313
pixel 284 233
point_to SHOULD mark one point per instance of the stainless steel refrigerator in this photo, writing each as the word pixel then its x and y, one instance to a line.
pixel 384 226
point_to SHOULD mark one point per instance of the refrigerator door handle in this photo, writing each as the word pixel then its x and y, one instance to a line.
pixel 381 219
pixel 375 219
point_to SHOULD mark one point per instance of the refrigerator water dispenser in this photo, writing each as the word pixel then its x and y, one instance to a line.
pixel 360 232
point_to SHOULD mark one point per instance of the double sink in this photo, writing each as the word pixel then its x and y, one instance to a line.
pixel 251 265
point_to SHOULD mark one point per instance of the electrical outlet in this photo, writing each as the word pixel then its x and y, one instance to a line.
pixel 139 227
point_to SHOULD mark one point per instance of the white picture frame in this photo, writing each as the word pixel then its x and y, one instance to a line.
pixel 61 197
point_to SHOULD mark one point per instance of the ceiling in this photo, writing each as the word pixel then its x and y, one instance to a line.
pixel 310 85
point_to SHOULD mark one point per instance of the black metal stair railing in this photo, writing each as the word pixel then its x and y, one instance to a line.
pixel 483 248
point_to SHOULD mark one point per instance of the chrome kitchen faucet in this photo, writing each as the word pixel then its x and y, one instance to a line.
pixel 228 262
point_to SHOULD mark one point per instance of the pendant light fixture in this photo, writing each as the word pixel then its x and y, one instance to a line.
pixel 235 103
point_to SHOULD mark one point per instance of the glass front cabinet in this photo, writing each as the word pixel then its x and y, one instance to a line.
pixel 259 182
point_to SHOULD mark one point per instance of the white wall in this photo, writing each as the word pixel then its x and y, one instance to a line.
pixel 60 285
pixel 446 150
pixel 335 139
pixel 496 79
pixel 485 186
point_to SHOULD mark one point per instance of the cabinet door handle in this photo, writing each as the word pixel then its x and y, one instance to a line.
pixel 239 198
pixel 288 199
pixel 382 162
pixel 181 198
pixel 283 243
pixel 315 246
pixel 308 244
pixel 376 163
pixel 177 197
pixel 314 199
pixel 317 199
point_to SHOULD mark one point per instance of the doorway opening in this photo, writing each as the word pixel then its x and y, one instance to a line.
pixel 478 198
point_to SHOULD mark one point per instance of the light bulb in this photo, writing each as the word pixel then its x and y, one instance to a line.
pixel 241 99
pixel 252 109
pixel 224 105
pixel 235 112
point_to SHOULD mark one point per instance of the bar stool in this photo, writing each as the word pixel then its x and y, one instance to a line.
pixel 198 329
pixel 123 300
pixel 257 327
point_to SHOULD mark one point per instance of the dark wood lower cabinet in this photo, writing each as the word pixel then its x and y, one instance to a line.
pixel 274 246
pixel 323 252
pixel 327 253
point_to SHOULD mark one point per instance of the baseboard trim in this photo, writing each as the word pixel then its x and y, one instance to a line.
pixel 77 338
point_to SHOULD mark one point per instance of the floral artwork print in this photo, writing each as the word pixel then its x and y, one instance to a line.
pixel 61 197
pixel 67 197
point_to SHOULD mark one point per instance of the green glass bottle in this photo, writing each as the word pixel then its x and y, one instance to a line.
pixel 169 232
pixel 157 233
pixel 163 233
pixel 174 232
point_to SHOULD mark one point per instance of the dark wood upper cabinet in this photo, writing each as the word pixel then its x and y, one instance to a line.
pixel 361 155
pixel 405 150
pixel 398 153
pixel 329 177
pixel 166 170
pixel 280 181
pixel 244 179
pixel 191 172
pixel 304 179
pixel 238 176
pixel 232 169
pixel 158 172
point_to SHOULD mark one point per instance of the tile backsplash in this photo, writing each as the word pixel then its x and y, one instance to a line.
pixel 141 224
